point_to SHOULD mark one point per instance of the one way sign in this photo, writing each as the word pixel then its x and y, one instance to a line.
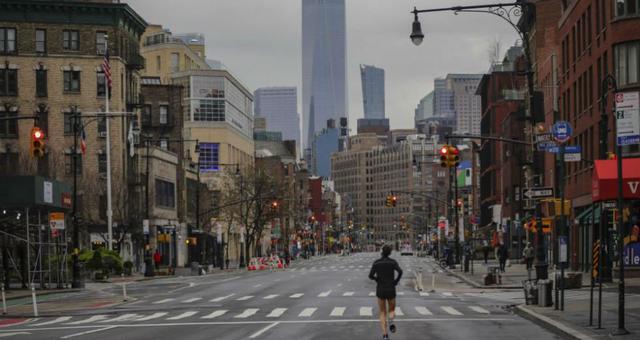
pixel 537 193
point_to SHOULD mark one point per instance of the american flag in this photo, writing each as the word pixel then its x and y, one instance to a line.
pixel 83 141
pixel 106 68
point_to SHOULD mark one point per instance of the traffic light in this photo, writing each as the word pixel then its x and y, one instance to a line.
pixel 274 206
pixel 394 200
pixel 388 202
pixel 453 157
pixel 37 142
pixel 444 151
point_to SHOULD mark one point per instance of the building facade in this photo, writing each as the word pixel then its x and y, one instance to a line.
pixel 279 106
pixel 373 99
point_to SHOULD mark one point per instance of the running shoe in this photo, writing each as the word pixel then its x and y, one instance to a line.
pixel 392 328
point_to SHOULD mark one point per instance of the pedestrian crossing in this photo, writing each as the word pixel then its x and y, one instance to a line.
pixel 301 313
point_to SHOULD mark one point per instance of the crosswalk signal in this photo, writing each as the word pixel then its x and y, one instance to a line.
pixel 37 143
pixel 444 157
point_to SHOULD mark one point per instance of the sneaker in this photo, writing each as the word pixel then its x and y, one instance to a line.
pixel 392 328
pixel 385 337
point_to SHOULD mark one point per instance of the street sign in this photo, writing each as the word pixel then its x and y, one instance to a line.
pixel 628 118
pixel 56 220
pixel 567 149
pixel 562 131
pixel 545 141
pixel 145 227
pixel 572 157
pixel 537 193
pixel 563 249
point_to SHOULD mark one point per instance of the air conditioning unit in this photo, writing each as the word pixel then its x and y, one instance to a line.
pixel 102 134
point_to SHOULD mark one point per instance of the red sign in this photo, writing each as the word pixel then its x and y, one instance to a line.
pixel 66 200
pixel 604 185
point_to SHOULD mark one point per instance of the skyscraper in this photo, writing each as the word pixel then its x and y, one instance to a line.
pixel 279 106
pixel 372 91
pixel 324 89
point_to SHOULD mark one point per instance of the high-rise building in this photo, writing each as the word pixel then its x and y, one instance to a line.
pixel 372 91
pixel 425 107
pixel 466 103
pixel 442 99
pixel 279 107
pixel 324 89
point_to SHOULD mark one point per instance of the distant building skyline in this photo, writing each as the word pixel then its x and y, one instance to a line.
pixel 279 107
pixel 373 93
pixel 324 80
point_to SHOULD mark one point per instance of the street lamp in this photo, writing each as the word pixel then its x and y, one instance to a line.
pixel 416 33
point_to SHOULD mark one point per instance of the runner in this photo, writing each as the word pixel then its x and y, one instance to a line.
pixel 383 272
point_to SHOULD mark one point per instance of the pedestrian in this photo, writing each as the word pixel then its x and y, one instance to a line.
pixel 383 272
pixel 528 254
pixel 485 250
pixel 503 255
pixel 157 258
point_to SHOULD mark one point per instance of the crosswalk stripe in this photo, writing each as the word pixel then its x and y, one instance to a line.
pixel 123 317
pixel 218 299
pixel 324 294
pixel 401 293
pixel 423 311
pixel 399 312
pixel 447 294
pixel 163 301
pixel 277 312
pixel 372 293
pixel 215 314
pixel 348 294
pixel 424 294
pixel 366 311
pixel 338 311
pixel 307 312
pixel 152 316
pixel 89 320
pixel 450 310
pixel 245 298
pixel 296 296
pixel 247 313
pixel 191 300
pixel 479 309
pixel 57 320
pixel 269 297
pixel 183 315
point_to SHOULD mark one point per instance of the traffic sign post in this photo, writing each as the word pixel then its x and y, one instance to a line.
pixel 628 118
pixel 537 193
pixel 562 131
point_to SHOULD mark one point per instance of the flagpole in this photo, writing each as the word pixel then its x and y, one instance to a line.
pixel 109 210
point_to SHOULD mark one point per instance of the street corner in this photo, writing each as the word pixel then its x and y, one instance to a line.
pixel 6 321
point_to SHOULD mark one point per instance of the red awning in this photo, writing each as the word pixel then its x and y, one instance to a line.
pixel 605 179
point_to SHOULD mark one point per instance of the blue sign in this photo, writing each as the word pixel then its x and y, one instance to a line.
pixel 632 255
pixel 628 140
pixel 567 149
pixel 562 131
pixel 545 146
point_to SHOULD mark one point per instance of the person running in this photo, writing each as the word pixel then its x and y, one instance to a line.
pixel 383 272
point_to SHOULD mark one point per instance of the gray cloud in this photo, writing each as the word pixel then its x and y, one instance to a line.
pixel 259 41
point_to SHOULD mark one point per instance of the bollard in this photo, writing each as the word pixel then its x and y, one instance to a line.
pixel 4 302
pixel 124 289
pixel 433 282
pixel 33 299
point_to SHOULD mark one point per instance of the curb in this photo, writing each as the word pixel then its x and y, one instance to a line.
pixel 44 292
pixel 474 284
pixel 550 324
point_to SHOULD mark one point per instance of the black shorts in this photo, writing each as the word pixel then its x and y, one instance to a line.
pixel 386 294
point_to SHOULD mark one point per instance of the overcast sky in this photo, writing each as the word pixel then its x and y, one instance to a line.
pixel 260 42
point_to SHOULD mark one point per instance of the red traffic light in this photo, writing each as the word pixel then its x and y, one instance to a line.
pixel 444 150
pixel 37 134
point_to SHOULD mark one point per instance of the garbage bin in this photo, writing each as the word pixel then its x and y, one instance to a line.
pixel 544 293
pixel 530 292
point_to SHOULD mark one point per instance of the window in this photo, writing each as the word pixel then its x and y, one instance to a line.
pixel 8 82
pixel 101 39
pixel 68 163
pixel 7 40
pixel 209 156
pixel 165 194
pixel 41 83
pixel 146 115
pixel 72 81
pixel 175 62
pixel 102 163
pixel 210 110
pixel 41 41
pixel 71 40
pixel 164 144
pixel 101 84
pixel 102 127
pixel 627 8
pixel 627 58
pixel 8 128
pixel 163 114
pixel 68 123
pixel 158 63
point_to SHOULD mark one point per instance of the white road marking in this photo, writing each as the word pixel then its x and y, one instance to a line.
pixel 183 315
pixel 366 311
pixel 401 293
pixel 399 312
pixel 296 296
pixel 87 332
pixel 324 294
pixel 6 335
pixel 191 300
pixel 424 294
pixel 163 301
pixel 269 297
pixel 89 320
pixel 247 313
pixel 245 298
pixel 215 314
pixel 423 311
pixel 57 320
pixel 348 294
pixel 372 293
pixel 277 312
pixel 307 312
pixel 258 333
pixel 152 316
pixel 258 285
pixel 447 294
pixel 218 299
pixel 123 317
pixel 338 311
pixel 479 309
pixel 450 310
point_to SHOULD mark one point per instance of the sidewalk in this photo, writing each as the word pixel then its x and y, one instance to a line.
pixel 511 279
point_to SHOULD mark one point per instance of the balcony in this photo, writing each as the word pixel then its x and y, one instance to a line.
pixel 136 62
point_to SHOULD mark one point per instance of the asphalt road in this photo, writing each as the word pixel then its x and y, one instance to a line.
pixel 323 298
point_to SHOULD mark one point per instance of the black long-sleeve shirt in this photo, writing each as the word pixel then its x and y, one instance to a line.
pixel 383 272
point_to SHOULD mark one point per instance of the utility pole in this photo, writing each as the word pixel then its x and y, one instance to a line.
pixel 76 277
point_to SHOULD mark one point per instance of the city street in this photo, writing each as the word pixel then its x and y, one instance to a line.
pixel 323 298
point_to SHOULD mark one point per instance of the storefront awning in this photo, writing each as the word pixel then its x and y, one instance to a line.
pixel 605 179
